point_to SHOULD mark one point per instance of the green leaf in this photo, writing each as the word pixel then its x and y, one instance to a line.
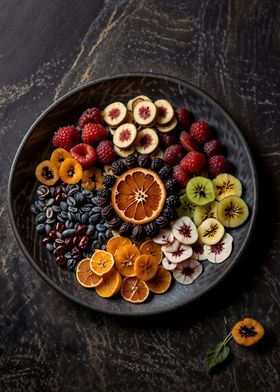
pixel 217 354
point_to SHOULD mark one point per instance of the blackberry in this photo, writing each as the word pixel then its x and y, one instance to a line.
pixel 171 186
pixel 109 181
pixel 126 228
pixel 157 164
pixel 108 212
pixel 138 233
pixel 152 229
pixel 162 222
pixel 131 161
pixel 118 168
pixel 115 223
pixel 173 201
pixel 144 161
pixel 165 172
pixel 104 193
pixel 170 213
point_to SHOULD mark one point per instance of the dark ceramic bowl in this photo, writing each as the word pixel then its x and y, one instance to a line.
pixel 37 146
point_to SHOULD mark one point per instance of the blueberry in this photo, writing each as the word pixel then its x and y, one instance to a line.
pixel 71 201
pixel 34 209
pixel 64 215
pixel 50 202
pixel 69 233
pixel 40 218
pixel 102 238
pixel 85 209
pixel 64 205
pixel 100 227
pixel 69 224
pixel 80 197
pixel 97 209
pixel 94 219
pixel 47 228
pixel 73 209
pixel 71 264
pixel 90 230
pixel 40 228
pixel 56 208
pixel 49 247
pixel 109 234
pixel 85 218
pixel 96 244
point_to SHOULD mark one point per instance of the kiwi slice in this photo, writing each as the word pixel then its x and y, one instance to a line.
pixel 200 190
pixel 204 212
pixel 232 211
pixel 186 208
pixel 226 185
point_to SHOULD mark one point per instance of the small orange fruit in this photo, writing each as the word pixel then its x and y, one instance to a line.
pixel 160 283
pixel 85 276
pixel 125 258
pixel 92 179
pixel 70 171
pixel 47 173
pixel 151 248
pixel 101 262
pixel 145 267
pixel 134 290
pixel 138 195
pixel 59 155
pixel 110 285
pixel 115 243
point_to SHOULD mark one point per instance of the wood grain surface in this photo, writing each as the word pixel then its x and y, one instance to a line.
pixel 228 48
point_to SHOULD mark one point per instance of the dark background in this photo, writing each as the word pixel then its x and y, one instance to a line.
pixel 230 49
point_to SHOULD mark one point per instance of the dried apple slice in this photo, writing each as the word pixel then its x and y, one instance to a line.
pixel 181 253
pixel 219 252
pixel 125 152
pixel 165 237
pixel 145 113
pixel 199 251
pixel 125 135
pixel 185 231
pixel 146 141
pixel 168 265
pixel 115 114
pixel 187 271
pixel 165 111
pixel 168 127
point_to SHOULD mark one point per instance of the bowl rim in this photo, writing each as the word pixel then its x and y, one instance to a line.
pixel 152 75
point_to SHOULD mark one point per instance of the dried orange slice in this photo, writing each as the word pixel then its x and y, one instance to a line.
pixel 145 267
pixel 151 248
pixel 134 290
pixel 101 262
pixel 85 276
pixel 138 196
pixel 115 243
pixel 125 258
pixel 160 282
pixel 111 284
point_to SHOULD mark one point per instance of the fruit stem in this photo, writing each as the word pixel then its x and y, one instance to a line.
pixel 227 339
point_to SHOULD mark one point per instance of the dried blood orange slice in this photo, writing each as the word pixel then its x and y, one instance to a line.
pixel 85 276
pixel 138 196
pixel 134 290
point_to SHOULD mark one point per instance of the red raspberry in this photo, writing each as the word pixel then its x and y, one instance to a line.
pixel 173 154
pixel 105 152
pixel 167 139
pixel 201 132
pixel 188 142
pixel 94 133
pixel 84 154
pixel 183 118
pixel 66 137
pixel 91 115
pixel 180 175
pixel 218 164
pixel 213 147
pixel 193 162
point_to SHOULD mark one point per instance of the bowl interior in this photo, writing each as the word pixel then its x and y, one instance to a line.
pixel 37 146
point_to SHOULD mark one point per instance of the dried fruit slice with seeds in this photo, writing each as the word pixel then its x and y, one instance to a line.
pixel 168 265
pixel 145 267
pixel 181 253
pixel 145 113
pixel 211 231
pixel 199 251
pixel 125 258
pixel 226 185
pixel 59 155
pixel 134 290
pixel 70 171
pixel 146 141
pixel 200 190
pixel 85 276
pixel 92 179
pixel 110 285
pixel 150 247
pixel 115 243
pixel 125 135
pixel 204 212
pixel 185 231
pixel 167 127
pixel 221 251
pixel 187 271
pixel 101 262
pixel 115 113
pixel 165 111
pixel 160 283
pixel 138 196
pixel 232 211
pixel 165 237
pixel 47 172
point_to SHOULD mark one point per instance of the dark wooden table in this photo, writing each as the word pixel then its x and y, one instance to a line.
pixel 231 50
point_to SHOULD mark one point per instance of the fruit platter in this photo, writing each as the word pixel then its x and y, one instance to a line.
pixel 133 195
